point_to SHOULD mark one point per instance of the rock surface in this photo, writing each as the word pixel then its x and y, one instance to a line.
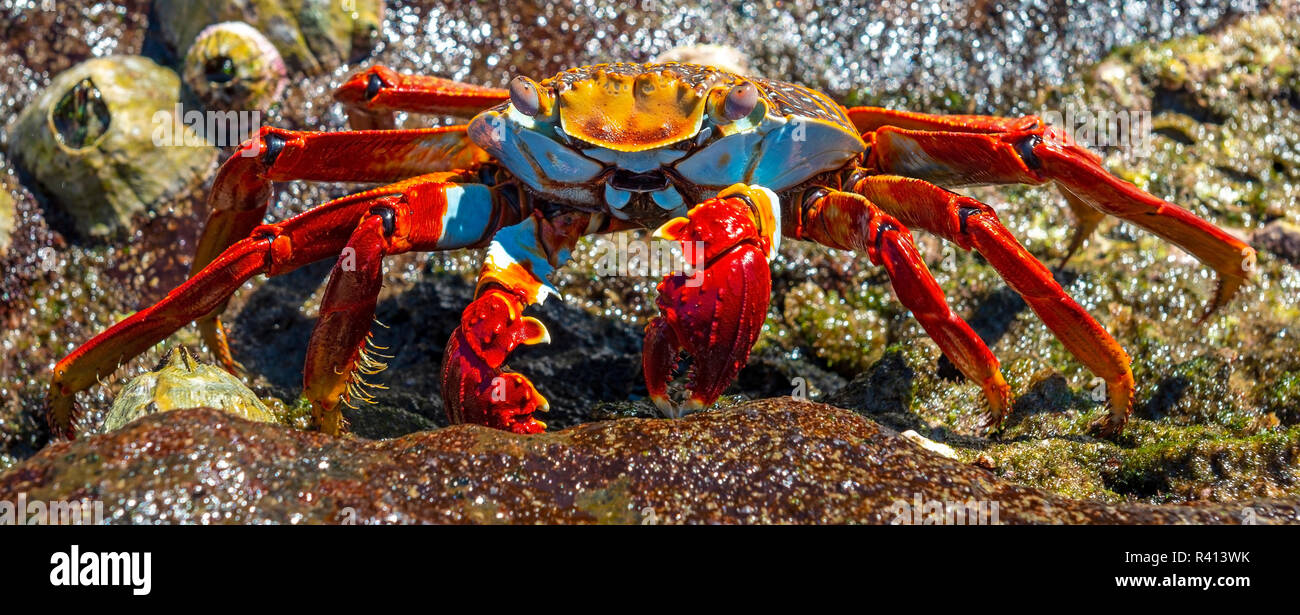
pixel 770 461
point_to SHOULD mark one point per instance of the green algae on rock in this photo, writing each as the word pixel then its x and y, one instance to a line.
pixel 182 382
pixel 769 461
pixel 89 140
pixel 1225 106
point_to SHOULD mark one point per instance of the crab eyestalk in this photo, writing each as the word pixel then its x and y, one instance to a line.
pixel 714 312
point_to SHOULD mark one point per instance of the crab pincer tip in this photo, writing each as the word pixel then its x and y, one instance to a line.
pixel 671 230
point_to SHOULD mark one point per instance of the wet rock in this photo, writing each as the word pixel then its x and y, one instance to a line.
pixel 313 37
pixel 1223 105
pixel 883 393
pixel 232 67
pixel 91 141
pixel 769 461
pixel 1281 238
pixel 589 359
pixel 182 382
pixel 1202 390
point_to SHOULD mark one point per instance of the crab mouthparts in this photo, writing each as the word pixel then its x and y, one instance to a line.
pixel 628 181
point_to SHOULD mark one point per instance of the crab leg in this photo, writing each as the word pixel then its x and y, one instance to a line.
pixel 475 386
pixel 870 119
pixel 848 221
pixel 337 355
pixel 971 224
pixel 374 94
pixel 972 150
pixel 242 189
pixel 427 214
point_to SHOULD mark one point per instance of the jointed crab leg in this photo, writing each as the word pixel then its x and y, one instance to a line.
pixel 970 150
pixel 849 221
pixel 423 213
pixel 336 355
pixel 375 93
pixel 242 189
pixel 971 224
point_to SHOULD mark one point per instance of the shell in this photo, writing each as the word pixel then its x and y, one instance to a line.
pixel 314 37
pixel 231 66
pixel 91 140
pixel 182 382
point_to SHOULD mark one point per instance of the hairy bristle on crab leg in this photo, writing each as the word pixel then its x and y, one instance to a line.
pixel 336 353
pixel 242 189
pixel 955 151
pixel 422 214
pixel 849 221
pixel 971 224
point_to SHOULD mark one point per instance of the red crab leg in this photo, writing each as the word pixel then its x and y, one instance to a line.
pixel 971 150
pixel 428 214
pixel 849 221
pixel 242 189
pixel 374 94
pixel 475 386
pixel 337 356
pixel 869 119
pixel 717 313
pixel 971 224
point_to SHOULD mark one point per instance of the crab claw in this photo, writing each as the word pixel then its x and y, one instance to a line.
pixel 716 313
pixel 475 386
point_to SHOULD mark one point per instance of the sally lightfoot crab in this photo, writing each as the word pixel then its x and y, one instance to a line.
pixel 700 154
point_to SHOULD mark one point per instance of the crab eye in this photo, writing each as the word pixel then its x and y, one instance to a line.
pixel 523 95
pixel 740 102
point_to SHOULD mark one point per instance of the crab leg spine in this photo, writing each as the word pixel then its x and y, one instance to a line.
pixel 338 341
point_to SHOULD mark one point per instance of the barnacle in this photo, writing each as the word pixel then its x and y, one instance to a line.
pixel 99 139
pixel 231 66
pixel 182 382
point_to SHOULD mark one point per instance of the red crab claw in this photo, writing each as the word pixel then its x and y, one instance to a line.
pixel 716 313
pixel 476 388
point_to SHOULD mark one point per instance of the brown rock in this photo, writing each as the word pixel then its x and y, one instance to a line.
pixel 769 461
